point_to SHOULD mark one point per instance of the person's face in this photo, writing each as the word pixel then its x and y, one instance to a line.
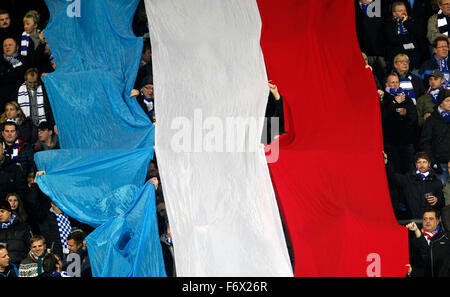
pixel 402 66
pixel 422 165
pixel 4 215
pixel 14 202
pixel 32 81
pixel 44 135
pixel 435 82
pixel 430 222
pixel 445 7
pixel 399 11
pixel 5 20
pixel 4 258
pixel 393 82
pixel 29 25
pixel 72 246
pixel 445 105
pixel 11 111
pixel 441 50
pixel 146 56
pixel 147 90
pixel 9 134
pixel 9 46
pixel 38 248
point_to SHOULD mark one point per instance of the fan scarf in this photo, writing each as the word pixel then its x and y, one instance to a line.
pixel 9 222
pixel 23 99
pixel 13 60
pixel 434 94
pixel 422 175
pixel 25 43
pixel 65 229
pixel 401 30
pixel 442 23
pixel 428 235
pixel 17 146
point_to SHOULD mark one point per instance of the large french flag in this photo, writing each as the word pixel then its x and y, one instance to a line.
pixel 210 62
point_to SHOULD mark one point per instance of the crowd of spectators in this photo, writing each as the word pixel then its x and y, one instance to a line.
pixel 405 45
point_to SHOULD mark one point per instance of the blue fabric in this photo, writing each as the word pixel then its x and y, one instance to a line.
pixel 98 175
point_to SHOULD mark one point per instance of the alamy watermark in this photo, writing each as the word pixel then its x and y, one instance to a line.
pixel 224 135
pixel 74 9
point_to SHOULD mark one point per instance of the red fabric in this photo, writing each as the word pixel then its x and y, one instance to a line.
pixel 330 178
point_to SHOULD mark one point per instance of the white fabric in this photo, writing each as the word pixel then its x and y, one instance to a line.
pixel 208 71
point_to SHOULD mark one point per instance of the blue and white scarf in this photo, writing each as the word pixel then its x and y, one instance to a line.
pixel 149 104
pixel 13 60
pixel 9 222
pixel 434 94
pixel 446 115
pixel 401 30
pixel 422 175
pixel 395 92
pixel 23 100
pixel 15 150
pixel 364 7
pixel 24 44
pixel 442 22
pixel 407 86
pixel 65 229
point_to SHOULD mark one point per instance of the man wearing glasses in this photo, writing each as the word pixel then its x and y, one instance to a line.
pixel 439 61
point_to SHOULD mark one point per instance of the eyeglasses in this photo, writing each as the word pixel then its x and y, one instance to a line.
pixel 442 46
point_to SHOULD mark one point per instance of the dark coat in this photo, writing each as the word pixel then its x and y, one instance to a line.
pixel 426 68
pixel 12 179
pixel 414 189
pixel 17 236
pixel 435 138
pixel 398 129
pixel 430 260
pixel 395 41
pixel 10 80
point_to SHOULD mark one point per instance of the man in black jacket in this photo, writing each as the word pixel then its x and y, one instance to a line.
pixel 12 179
pixel 435 138
pixel 429 247
pixel 439 61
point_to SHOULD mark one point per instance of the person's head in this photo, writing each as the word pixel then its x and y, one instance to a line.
pixel 4 257
pixel 366 59
pixel 9 132
pixel 392 81
pixel 55 208
pixel 423 162
pixel 444 5
pixel 444 99
pixel 45 131
pixel 440 47
pixel 10 46
pixel 5 19
pixel 436 79
pixel 401 63
pixel 38 246
pixel 430 220
pixel 31 22
pixel 13 111
pixel 32 78
pixel 147 86
pixel 399 9
pixel 75 240
pixel 5 211
pixel 146 52
pixel 14 201
pixel 51 263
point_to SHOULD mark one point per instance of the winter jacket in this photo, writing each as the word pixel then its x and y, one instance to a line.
pixel 17 236
pixel 435 138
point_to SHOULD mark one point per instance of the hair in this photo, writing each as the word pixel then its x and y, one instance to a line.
pixel 77 236
pixel 49 263
pixel 439 38
pixel 422 155
pixel 20 211
pixel 400 57
pixel 33 14
pixel 35 238
pixel 397 3
pixel 6 123
pixel 431 209
pixel 2 11
pixel 31 70
pixel 390 74
pixel 20 114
